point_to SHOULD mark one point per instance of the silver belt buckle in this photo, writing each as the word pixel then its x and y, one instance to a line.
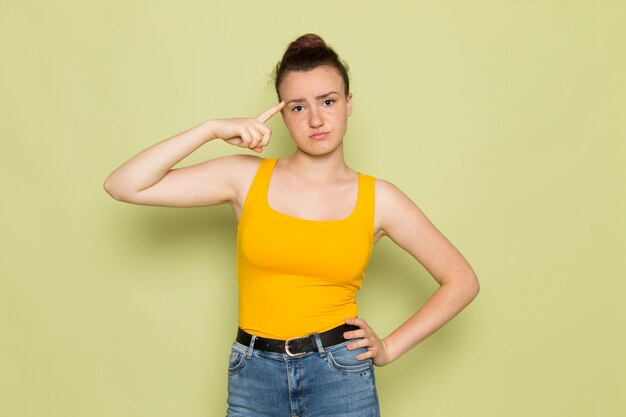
pixel 293 355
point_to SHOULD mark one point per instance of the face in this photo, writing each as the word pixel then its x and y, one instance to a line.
pixel 316 109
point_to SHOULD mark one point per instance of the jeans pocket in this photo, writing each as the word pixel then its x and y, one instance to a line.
pixel 344 360
pixel 236 362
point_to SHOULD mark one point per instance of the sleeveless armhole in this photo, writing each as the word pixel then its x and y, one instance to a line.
pixel 256 188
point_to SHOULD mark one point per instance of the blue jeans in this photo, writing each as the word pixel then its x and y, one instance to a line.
pixel 329 382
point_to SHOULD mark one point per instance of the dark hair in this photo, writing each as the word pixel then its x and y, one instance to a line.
pixel 306 53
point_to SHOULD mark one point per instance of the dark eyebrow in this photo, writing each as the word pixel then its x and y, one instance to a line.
pixel 301 100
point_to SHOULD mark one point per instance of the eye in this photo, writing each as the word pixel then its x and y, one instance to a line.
pixel 297 109
pixel 329 102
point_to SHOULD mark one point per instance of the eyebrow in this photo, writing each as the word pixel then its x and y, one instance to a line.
pixel 301 100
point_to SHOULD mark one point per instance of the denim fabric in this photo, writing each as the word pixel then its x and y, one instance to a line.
pixel 330 382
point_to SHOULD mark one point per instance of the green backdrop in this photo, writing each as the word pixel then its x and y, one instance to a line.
pixel 503 120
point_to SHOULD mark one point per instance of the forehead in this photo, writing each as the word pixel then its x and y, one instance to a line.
pixel 317 81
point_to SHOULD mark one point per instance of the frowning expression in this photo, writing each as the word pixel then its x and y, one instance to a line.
pixel 316 108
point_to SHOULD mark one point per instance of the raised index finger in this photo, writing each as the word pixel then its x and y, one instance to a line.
pixel 267 114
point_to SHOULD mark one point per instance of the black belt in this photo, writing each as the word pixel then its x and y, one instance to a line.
pixel 296 346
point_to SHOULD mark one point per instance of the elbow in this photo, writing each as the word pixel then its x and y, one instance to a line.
pixel 464 285
pixel 473 286
pixel 467 286
pixel 107 187
pixel 110 189
pixel 113 191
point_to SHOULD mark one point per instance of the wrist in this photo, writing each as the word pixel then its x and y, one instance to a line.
pixel 389 353
pixel 208 128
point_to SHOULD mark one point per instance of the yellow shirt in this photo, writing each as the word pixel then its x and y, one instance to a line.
pixel 299 276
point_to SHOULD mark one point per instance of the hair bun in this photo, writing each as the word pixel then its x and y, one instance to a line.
pixel 310 40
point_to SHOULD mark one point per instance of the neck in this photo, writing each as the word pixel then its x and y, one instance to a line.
pixel 318 167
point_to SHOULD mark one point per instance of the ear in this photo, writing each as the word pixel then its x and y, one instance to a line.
pixel 349 104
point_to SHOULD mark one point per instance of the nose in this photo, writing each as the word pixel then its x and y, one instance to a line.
pixel 316 119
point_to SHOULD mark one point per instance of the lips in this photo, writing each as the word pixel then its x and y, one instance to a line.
pixel 318 135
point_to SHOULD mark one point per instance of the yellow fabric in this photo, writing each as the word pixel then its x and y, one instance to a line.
pixel 299 276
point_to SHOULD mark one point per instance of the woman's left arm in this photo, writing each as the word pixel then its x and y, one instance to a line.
pixel 406 225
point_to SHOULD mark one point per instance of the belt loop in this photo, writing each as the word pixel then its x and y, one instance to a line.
pixel 250 347
pixel 318 341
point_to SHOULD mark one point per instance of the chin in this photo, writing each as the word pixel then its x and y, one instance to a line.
pixel 318 150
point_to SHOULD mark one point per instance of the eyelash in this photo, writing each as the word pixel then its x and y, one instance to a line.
pixel 299 106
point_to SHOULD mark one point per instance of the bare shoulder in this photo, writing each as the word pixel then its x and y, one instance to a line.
pixel 394 209
pixel 241 170
pixel 388 196
pixel 238 170
pixel 386 190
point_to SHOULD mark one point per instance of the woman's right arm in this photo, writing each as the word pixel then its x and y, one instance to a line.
pixel 148 177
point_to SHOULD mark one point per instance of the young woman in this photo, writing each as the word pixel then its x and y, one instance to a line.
pixel 307 224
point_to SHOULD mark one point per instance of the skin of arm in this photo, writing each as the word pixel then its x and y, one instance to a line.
pixel 148 177
pixel 409 228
